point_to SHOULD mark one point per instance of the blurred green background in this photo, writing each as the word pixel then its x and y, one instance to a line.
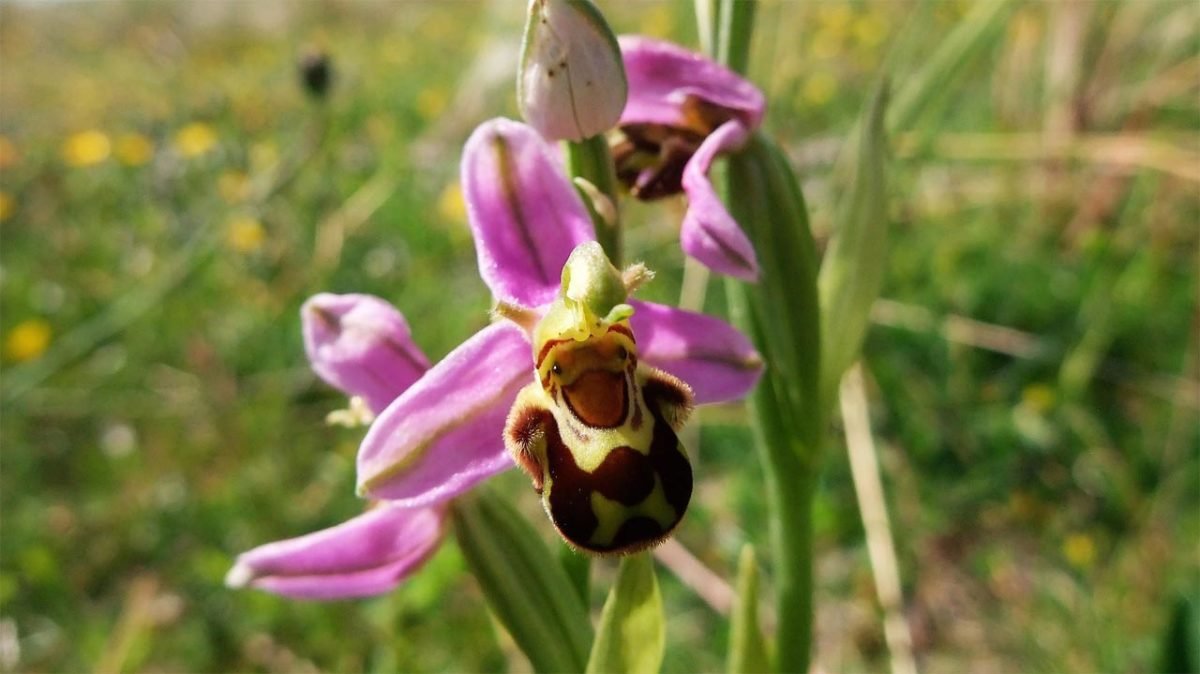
pixel 169 195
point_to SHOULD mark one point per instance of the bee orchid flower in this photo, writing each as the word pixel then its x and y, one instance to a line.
pixel 443 433
pixel 683 111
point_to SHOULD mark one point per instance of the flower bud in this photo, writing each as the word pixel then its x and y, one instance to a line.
pixel 571 81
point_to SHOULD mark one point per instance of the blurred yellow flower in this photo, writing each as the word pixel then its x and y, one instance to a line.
pixel 195 139
pixel 431 101
pixel 245 234
pixel 870 28
pixel 8 153
pixel 819 88
pixel 28 340
pixel 1080 550
pixel 233 186
pixel 264 156
pixel 86 148
pixel 1039 397
pixel 656 19
pixel 6 205
pixel 134 149
pixel 824 45
pixel 835 17
pixel 450 204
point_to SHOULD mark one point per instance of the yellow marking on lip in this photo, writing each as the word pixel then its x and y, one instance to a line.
pixel 613 515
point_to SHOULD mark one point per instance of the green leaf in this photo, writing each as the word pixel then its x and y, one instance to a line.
pixel 782 317
pixel 782 314
pixel 579 569
pixel 632 633
pixel 1181 639
pixel 747 652
pixel 735 28
pixel 524 585
pixel 852 270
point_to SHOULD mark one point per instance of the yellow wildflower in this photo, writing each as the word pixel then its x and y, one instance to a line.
pixel 86 148
pixel 134 149
pixel 1080 550
pixel 870 28
pixel 8 153
pixel 819 88
pixel 245 234
pixel 431 101
pixel 7 205
pixel 835 17
pixel 450 204
pixel 195 139
pixel 28 340
pixel 1038 397
pixel 264 156
pixel 233 186
pixel 656 20
pixel 824 45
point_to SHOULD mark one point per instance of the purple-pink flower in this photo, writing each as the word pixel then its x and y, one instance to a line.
pixel 683 111
pixel 441 434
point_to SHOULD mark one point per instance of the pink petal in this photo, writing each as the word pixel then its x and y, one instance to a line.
pixel 709 233
pixel 717 361
pixel 525 216
pixel 361 345
pixel 662 76
pixel 445 433
pixel 367 555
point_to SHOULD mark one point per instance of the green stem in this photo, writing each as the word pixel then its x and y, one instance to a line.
pixel 781 314
pixel 735 28
pixel 591 160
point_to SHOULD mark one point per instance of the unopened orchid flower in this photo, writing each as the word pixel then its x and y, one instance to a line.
pixel 683 111
pixel 570 81
pixel 444 433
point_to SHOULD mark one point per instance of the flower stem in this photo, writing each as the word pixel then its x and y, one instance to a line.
pixel 735 28
pixel 781 315
pixel 591 160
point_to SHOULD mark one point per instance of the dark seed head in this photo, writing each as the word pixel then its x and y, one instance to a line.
pixel 316 73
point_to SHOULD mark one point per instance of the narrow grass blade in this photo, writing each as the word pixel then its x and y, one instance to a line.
pixel 852 270
pixel 747 651
pixel 916 93
pixel 526 588
pixel 632 632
